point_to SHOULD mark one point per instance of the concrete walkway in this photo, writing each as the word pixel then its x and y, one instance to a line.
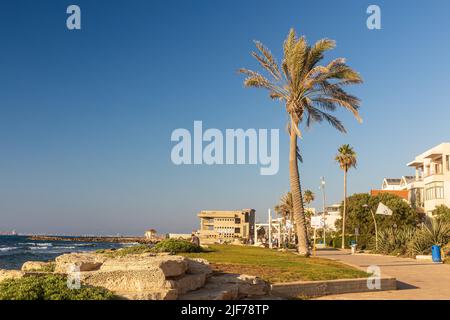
pixel 415 279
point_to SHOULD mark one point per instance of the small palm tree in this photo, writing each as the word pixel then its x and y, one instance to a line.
pixel 308 196
pixel 346 158
pixel 309 92
pixel 285 207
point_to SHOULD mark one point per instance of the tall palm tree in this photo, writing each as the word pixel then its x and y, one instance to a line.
pixel 308 196
pixel 346 158
pixel 309 92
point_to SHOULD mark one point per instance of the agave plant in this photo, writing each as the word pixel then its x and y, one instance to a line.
pixel 436 232
pixel 395 240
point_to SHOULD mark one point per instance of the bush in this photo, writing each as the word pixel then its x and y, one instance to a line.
pixel 50 267
pixel 336 242
pixel 138 249
pixel 442 212
pixel 395 241
pixel 436 232
pixel 48 287
pixel 176 246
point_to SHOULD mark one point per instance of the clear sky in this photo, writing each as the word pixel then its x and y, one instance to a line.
pixel 86 116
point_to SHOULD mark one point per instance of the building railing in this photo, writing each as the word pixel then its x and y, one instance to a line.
pixel 440 173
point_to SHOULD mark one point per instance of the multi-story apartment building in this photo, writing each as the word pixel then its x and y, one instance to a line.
pixel 431 185
pixel 219 226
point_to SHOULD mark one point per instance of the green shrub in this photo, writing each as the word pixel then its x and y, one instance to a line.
pixel 336 242
pixel 442 212
pixel 436 232
pixel 48 287
pixel 176 246
pixel 138 249
pixel 394 241
pixel 50 267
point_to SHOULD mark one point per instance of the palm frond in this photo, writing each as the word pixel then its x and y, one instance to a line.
pixel 267 61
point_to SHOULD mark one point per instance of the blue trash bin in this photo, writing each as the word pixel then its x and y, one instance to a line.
pixel 436 253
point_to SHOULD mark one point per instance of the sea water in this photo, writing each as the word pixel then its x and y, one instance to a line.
pixel 15 250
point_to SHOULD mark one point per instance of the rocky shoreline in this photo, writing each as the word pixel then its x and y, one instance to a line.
pixel 141 240
pixel 149 276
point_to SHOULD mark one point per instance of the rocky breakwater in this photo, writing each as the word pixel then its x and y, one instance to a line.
pixel 159 277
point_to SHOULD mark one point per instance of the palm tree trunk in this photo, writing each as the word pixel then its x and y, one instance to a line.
pixel 344 212
pixel 299 212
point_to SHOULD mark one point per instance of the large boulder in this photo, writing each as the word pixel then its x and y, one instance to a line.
pixel 37 266
pixel 229 287
pixel 132 284
pixel 148 276
pixel 188 282
pixel 73 262
pixel 149 295
pixel 199 266
pixel 248 286
pixel 10 274
pixel 166 265
pixel 209 292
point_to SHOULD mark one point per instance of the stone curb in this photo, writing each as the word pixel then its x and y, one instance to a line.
pixel 309 289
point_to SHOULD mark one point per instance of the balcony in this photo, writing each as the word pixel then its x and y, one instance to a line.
pixel 430 174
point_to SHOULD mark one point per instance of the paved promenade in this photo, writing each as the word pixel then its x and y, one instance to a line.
pixel 415 279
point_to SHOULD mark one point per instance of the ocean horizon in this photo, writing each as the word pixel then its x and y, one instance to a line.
pixel 15 250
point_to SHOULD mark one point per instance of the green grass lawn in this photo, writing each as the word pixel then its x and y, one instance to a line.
pixel 274 266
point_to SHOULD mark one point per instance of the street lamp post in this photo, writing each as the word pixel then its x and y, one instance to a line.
pixel 322 187
pixel 375 223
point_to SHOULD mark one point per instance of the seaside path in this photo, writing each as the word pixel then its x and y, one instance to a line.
pixel 415 279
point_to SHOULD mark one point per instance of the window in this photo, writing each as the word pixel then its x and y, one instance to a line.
pixel 246 217
pixel 237 220
pixel 237 230
pixel 434 190
pixel 416 197
pixel 447 162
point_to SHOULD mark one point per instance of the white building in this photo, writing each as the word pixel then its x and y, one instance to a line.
pixel 150 234
pixel 391 184
pixel 431 184
pixel 333 213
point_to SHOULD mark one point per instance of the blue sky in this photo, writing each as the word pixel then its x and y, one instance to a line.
pixel 86 116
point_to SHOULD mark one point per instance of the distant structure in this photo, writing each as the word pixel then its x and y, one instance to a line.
pixel 391 184
pixel 150 234
pixel 184 236
pixel 221 226
pixel 8 233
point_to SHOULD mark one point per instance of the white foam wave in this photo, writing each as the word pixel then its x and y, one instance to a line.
pixel 8 249
pixel 36 244
pixel 38 248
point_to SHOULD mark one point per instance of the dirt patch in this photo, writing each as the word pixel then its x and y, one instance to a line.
pixel 265 273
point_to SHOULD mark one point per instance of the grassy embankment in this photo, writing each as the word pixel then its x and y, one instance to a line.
pixel 274 266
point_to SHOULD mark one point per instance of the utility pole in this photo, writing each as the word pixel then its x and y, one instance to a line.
pixel 270 230
pixel 366 206
pixel 322 187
